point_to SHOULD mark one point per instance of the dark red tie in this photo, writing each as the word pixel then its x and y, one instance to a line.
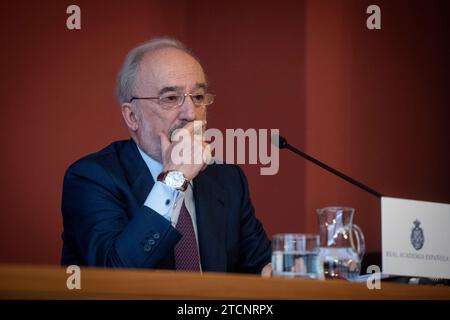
pixel 186 252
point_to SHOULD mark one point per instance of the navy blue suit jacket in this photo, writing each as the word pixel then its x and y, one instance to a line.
pixel 106 223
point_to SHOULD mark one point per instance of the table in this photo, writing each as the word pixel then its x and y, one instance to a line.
pixel 49 282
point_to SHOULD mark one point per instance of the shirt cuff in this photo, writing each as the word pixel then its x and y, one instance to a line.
pixel 161 199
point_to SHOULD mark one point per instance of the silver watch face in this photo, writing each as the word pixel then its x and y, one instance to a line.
pixel 174 179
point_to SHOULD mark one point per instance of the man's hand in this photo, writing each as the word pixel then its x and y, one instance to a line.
pixel 195 152
pixel 267 271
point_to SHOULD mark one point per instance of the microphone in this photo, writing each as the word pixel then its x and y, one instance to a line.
pixel 282 143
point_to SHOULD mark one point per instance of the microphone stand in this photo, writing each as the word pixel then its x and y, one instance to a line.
pixel 283 144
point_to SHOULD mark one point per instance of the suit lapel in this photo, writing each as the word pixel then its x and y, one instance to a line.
pixel 211 222
pixel 138 174
pixel 141 182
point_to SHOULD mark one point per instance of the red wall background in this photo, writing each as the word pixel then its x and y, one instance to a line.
pixel 373 104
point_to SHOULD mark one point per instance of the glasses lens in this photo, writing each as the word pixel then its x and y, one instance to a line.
pixel 170 100
pixel 203 99
pixel 198 99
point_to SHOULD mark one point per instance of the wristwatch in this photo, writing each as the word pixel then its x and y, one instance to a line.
pixel 174 179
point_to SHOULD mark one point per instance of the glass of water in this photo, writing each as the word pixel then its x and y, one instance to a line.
pixel 296 255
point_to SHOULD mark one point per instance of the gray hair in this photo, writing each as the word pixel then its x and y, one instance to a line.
pixel 130 68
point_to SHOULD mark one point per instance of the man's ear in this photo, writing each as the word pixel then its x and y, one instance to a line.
pixel 129 114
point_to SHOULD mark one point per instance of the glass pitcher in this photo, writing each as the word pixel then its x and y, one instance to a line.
pixel 342 243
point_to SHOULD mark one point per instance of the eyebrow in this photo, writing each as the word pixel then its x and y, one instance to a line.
pixel 169 89
pixel 202 85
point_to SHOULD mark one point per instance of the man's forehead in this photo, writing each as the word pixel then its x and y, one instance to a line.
pixel 170 68
pixel 170 62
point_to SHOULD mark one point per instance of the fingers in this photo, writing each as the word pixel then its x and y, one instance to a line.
pixel 193 128
pixel 207 156
pixel 267 270
pixel 186 151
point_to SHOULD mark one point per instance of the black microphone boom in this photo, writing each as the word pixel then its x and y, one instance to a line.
pixel 282 143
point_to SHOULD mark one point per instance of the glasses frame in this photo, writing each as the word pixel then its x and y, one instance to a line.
pixel 191 95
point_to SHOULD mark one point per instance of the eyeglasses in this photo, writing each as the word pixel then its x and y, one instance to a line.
pixel 170 101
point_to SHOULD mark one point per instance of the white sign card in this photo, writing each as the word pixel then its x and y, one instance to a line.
pixel 415 238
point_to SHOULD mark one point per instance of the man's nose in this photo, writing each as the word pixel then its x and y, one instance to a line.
pixel 188 109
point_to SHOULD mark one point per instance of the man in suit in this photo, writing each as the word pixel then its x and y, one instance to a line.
pixel 132 205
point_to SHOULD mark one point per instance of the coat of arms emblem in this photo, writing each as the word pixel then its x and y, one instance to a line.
pixel 417 238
